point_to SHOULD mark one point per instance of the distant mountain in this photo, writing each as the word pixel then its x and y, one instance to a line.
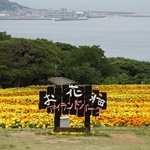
pixel 6 5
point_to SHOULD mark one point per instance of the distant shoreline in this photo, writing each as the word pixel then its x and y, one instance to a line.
pixel 62 19
pixel 26 19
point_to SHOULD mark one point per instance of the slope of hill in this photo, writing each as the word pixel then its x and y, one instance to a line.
pixel 6 5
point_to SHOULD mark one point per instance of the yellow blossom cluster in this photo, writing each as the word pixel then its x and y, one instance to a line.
pixel 127 105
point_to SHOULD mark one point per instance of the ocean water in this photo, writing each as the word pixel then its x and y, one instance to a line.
pixel 127 37
pixel 119 36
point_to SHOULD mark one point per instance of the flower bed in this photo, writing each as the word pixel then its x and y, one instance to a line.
pixel 127 105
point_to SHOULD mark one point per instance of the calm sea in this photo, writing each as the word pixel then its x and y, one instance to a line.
pixel 119 36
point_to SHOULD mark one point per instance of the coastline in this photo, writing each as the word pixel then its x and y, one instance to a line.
pixel 74 18
pixel 71 19
pixel 25 18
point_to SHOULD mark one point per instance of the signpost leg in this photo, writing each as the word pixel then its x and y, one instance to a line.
pixel 57 113
pixel 88 91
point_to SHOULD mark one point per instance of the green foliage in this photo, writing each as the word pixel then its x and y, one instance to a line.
pixel 118 79
pixel 65 46
pixel 129 71
pixel 86 65
pixel 24 61
pixel 4 36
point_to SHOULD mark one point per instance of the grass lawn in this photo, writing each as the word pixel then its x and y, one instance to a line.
pixel 102 138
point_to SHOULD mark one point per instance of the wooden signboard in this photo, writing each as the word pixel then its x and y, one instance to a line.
pixel 74 100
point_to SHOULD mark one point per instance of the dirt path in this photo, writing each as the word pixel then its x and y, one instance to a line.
pixel 52 139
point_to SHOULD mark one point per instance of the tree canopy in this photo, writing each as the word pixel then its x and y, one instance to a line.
pixel 4 36
pixel 24 61
pixel 130 71
pixel 86 65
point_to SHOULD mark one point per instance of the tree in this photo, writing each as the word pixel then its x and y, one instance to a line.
pixel 23 60
pixel 86 65
pixel 4 36
pixel 131 71
pixel 65 46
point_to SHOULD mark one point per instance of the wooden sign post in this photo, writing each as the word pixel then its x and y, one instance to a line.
pixel 74 100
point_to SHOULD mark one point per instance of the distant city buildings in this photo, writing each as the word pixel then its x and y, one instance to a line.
pixel 31 13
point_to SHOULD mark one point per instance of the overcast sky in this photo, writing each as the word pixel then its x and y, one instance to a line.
pixel 137 6
pixel 58 3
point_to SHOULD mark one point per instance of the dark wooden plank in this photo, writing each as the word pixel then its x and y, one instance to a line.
pixel 96 110
pixel 81 105
pixel 104 96
pixel 58 94
pixel 50 91
pixel 42 100
pixel 88 91
pixel 65 100
pixel 58 107
pixel 71 105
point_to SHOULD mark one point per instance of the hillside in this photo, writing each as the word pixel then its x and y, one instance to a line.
pixel 6 5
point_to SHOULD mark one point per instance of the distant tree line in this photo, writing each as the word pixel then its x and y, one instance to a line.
pixel 25 61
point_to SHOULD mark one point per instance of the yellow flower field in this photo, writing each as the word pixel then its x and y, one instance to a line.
pixel 127 105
